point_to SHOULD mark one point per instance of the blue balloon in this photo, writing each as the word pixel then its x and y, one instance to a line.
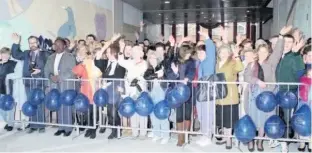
pixel 301 121
pixel 274 127
pixel 52 101
pixel 245 129
pixel 68 97
pixel 266 101
pixel 183 92
pixel 36 96
pixel 162 110
pixel 144 105
pixel 28 109
pixel 173 100
pixel 100 98
pixel 127 107
pixel 7 102
pixel 81 103
pixel 287 99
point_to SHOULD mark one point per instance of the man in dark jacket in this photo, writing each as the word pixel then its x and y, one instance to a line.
pixel 112 70
pixel 6 67
pixel 34 61
pixel 287 72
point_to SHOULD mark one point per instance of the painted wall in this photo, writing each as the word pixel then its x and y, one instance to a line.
pixel 300 17
pixel 72 19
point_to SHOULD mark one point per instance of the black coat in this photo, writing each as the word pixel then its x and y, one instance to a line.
pixel 5 68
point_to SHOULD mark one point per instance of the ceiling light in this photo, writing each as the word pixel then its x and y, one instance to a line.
pixel 167 2
pixel 202 12
pixel 159 14
pixel 247 11
pixel 205 17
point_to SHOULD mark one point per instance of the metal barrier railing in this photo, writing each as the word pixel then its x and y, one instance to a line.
pixel 212 115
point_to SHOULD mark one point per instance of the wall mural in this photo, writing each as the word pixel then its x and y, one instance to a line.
pixel 71 19
pixel 12 8
pixel 68 29
pixel 100 25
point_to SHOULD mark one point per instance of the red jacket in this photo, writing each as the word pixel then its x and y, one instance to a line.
pixel 304 89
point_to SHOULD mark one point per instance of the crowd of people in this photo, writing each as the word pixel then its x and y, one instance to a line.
pixel 285 58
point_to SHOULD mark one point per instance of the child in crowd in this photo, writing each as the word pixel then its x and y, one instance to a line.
pixel 6 67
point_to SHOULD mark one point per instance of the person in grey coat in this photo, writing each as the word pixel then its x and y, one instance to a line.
pixel 58 69
pixel 268 61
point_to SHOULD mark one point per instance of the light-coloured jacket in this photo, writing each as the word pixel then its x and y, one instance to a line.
pixel 134 71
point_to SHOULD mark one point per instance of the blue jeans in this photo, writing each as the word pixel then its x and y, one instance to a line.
pixel 160 125
pixel 8 116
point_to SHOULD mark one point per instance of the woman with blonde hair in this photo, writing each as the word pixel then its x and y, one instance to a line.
pixel 155 72
pixel 89 73
pixel 253 75
pixel 227 111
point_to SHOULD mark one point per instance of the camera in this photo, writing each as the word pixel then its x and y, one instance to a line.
pixel 32 66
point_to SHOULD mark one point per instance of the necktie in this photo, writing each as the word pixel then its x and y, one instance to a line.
pixel 108 69
pixel 33 56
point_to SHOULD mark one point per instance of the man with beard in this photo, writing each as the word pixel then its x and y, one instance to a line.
pixel 34 61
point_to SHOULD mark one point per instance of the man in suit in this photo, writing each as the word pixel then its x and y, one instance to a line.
pixel 34 61
pixel 58 69
pixel 112 70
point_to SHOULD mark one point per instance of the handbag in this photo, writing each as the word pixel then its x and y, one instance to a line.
pixel 209 91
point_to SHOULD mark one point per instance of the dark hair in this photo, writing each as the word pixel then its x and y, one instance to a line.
pixel 275 36
pixel 307 49
pixel 81 40
pixel 91 35
pixel 33 37
pixel 152 48
pixel 114 50
pixel 67 41
pixel 289 36
pixel 160 44
pixel 308 41
pixel 200 48
pixel 146 40
pixel 184 50
pixel 61 40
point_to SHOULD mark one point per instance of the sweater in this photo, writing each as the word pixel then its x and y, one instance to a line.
pixel 287 70
pixel 207 66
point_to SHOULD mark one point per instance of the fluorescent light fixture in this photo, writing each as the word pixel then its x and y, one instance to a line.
pixel 167 2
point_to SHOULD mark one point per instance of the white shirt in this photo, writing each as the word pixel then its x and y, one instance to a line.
pixel 112 70
pixel 35 54
pixel 57 62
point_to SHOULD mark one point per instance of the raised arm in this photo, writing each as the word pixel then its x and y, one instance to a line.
pixel 210 60
pixel 16 51
pixel 275 57
pixel 99 54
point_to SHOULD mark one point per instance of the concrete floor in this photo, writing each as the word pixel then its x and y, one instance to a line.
pixel 20 141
